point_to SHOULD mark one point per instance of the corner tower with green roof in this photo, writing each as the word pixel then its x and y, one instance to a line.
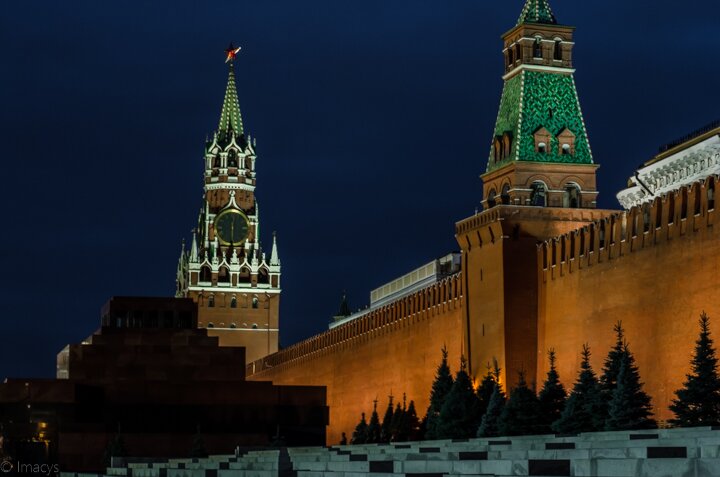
pixel 539 154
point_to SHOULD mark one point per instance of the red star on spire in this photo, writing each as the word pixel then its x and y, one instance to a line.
pixel 231 52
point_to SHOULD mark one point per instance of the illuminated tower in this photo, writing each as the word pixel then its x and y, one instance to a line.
pixel 235 283
pixel 540 154
pixel 540 182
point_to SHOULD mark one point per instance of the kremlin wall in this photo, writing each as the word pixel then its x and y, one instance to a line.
pixel 540 267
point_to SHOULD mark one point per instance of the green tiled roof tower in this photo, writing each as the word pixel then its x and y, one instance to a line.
pixel 540 130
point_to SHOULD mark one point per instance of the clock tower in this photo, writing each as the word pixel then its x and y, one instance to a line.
pixel 234 282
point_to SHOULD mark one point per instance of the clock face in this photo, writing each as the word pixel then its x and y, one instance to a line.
pixel 231 227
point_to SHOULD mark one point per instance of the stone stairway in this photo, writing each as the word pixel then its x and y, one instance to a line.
pixel 657 453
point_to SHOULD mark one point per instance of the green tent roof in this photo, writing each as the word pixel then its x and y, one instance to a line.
pixel 230 117
pixel 537 11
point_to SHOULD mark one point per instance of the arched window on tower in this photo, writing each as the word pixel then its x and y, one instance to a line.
pixel 558 50
pixel 216 161
pixel 518 51
pixel 510 57
pixel 538 194
pixel 232 158
pixel 244 276
pixel 537 48
pixel 233 302
pixel 224 275
pixel 263 276
pixel 255 302
pixel 211 301
pixel 491 201
pixel 505 195
pixel 205 274
pixel 571 196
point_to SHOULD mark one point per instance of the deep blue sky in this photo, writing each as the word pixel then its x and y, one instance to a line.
pixel 373 120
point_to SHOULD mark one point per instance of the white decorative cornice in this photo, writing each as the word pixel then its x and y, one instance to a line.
pixel 671 173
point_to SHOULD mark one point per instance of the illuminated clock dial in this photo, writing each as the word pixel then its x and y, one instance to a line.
pixel 231 227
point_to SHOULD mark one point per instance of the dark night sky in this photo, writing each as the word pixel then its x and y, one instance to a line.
pixel 373 121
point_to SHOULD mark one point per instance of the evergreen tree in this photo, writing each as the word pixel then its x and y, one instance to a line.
pixel 361 430
pixel 584 409
pixel 521 414
pixel 551 398
pixel 629 407
pixel 440 389
pixel 490 420
pixel 412 430
pixel 386 427
pixel 373 430
pixel 460 414
pixel 485 390
pixel 698 402
pixel 198 445
pixel 613 361
pixel 397 420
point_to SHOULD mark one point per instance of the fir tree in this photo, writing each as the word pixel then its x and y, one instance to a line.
pixel 584 409
pixel 490 420
pixel 698 402
pixel 551 398
pixel 611 368
pixel 629 407
pixel 386 427
pixel 412 430
pixel 361 430
pixel 397 420
pixel 198 445
pixel 373 430
pixel 485 390
pixel 460 414
pixel 521 413
pixel 440 389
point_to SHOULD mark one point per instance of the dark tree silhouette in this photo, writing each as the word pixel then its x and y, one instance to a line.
pixel 361 430
pixel 584 409
pixel 485 390
pixel 698 401
pixel 521 414
pixel 373 430
pixel 460 413
pixel 490 420
pixel 386 427
pixel 630 406
pixel 551 398
pixel 440 389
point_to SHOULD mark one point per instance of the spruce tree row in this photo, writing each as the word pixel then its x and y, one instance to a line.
pixel 398 425
pixel 611 402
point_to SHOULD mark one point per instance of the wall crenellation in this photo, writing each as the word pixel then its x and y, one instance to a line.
pixel 430 301
pixel 672 216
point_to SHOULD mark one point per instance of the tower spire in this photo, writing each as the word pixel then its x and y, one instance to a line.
pixel 537 11
pixel 230 117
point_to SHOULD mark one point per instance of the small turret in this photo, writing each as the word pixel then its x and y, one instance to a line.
pixel 274 257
